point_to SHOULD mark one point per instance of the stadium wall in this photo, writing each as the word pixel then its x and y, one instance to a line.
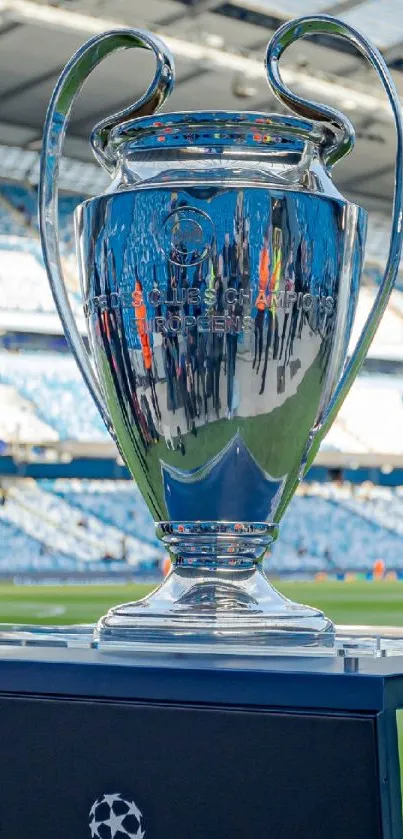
pixel 105 468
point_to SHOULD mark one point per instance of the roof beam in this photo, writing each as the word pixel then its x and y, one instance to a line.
pixel 269 102
pixel 196 8
pixel 373 200
pixel 390 54
pixel 191 75
pixel 336 8
pixel 371 174
pixel 367 122
pixel 8 27
pixel 339 8
pixel 23 87
pixel 393 52
pixel 35 135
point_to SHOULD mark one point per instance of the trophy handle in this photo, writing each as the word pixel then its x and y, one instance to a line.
pixel 343 140
pixel 64 95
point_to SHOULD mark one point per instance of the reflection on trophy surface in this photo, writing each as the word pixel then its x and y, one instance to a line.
pixel 220 276
pixel 215 369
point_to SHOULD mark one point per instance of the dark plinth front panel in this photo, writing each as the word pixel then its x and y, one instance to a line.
pixel 194 773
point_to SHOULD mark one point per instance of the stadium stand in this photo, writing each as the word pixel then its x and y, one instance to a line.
pixel 52 384
pixel 19 232
pixel 19 421
pixel 338 526
pixel 21 552
pixel 44 399
pixel 24 288
pixel 44 390
pixel 59 534
pixel 376 249
pixel 372 416
pixel 18 215
pixel 23 284
pixel 115 502
pixel 89 525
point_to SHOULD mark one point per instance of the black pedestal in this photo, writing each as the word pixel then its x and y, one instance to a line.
pixel 184 747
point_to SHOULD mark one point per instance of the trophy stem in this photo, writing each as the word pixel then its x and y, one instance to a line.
pixel 220 602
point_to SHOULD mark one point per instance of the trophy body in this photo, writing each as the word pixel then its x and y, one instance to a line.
pixel 215 370
pixel 219 320
pixel 220 276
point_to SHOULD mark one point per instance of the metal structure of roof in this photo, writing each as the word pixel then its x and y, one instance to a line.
pixel 219 51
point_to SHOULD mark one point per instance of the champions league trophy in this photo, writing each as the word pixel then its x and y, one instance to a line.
pixel 220 274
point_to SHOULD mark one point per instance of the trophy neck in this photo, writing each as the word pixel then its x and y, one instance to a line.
pixel 204 146
pixel 210 544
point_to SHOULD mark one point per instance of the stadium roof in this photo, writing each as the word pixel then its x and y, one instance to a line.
pixel 219 50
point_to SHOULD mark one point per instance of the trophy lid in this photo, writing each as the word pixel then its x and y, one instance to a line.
pixel 214 132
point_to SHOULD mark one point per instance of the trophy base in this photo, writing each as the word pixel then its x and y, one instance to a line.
pixel 214 609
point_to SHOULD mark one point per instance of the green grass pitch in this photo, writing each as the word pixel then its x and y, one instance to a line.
pixel 345 602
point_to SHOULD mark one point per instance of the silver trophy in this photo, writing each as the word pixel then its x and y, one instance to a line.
pixel 220 273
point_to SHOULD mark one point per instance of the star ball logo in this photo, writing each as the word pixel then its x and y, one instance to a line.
pixel 113 817
pixel 186 236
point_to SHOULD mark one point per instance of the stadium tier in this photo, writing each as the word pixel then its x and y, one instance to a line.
pixel 67 527
pixel 334 528
pixel 19 235
pixel 57 394
pixel 91 525
pixel 19 213
pixel 45 399
pixel 26 303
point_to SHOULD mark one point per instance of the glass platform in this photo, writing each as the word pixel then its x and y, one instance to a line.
pixel 350 643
